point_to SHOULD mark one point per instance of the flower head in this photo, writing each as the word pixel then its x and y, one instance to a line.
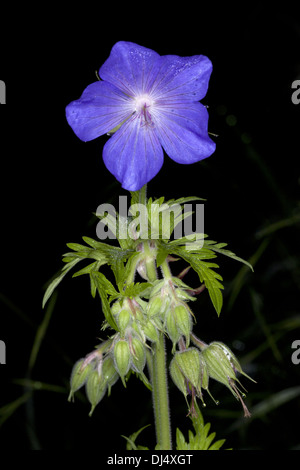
pixel 148 103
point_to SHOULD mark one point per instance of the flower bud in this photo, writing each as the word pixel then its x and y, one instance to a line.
pixel 178 377
pixel 154 306
pixel 79 376
pixel 109 372
pixel 183 321
pixel 95 389
pixel 221 363
pixel 150 331
pixel 122 358
pixel 172 328
pixel 188 362
pixel 116 308
pixel 124 319
pixel 138 355
pixel 222 366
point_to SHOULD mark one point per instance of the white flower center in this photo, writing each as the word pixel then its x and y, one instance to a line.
pixel 143 105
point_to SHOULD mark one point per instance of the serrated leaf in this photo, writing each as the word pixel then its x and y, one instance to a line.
pixel 136 289
pixel 219 249
pixel 202 440
pixel 207 275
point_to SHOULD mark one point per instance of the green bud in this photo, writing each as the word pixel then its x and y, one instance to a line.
pixel 138 355
pixel 95 389
pixel 204 377
pixel 139 315
pixel 178 377
pixel 222 366
pixel 231 358
pixel 123 321
pixel 188 362
pixel 79 376
pixel 172 328
pixel 150 331
pixel 122 358
pixel 115 308
pixel 109 372
pixel 155 306
pixel 183 295
pixel 218 364
pixel 183 321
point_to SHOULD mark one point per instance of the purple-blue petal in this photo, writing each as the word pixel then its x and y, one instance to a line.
pixel 100 108
pixel 184 78
pixel 133 154
pixel 182 131
pixel 130 67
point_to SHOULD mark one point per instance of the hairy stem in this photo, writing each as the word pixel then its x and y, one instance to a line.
pixel 160 396
pixel 158 366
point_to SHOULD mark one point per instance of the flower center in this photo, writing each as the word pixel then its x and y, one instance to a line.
pixel 142 106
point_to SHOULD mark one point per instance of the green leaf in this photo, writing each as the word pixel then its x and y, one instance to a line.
pixel 207 275
pixel 52 286
pixel 218 247
pixel 201 440
pixel 88 269
pixel 41 332
pixel 136 289
pixel 105 288
pixel 132 438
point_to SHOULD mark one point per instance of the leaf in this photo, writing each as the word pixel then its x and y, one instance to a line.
pixel 207 275
pixel 105 288
pixel 41 332
pixel 132 438
pixel 52 286
pixel 136 289
pixel 201 440
pixel 219 249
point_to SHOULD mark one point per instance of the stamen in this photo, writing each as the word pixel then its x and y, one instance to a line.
pixel 143 105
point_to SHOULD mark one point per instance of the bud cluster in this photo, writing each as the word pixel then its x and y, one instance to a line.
pixel 97 372
pixel 139 320
pixel 168 304
pixel 191 369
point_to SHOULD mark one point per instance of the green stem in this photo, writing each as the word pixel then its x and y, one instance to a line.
pixel 158 366
pixel 159 379
pixel 160 396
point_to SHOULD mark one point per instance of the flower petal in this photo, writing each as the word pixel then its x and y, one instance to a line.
pixel 182 131
pixel 133 154
pixel 100 108
pixel 183 77
pixel 130 67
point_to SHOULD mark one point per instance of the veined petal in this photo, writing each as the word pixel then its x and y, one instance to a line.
pixel 182 131
pixel 130 67
pixel 133 154
pixel 182 77
pixel 100 108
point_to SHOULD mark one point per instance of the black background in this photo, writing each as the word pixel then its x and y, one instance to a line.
pixel 52 183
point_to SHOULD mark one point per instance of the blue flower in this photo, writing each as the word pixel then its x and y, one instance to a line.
pixel 148 103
